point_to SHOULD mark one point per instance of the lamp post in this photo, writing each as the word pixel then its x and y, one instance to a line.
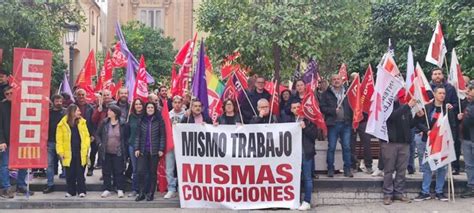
pixel 72 30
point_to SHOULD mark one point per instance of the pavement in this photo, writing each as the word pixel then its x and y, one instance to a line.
pixel 431 206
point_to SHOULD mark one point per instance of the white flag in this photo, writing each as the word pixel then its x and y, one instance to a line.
pixel 387 85
pixel 410 70
pixel 440 145
pixel 455 76
pixel 437 48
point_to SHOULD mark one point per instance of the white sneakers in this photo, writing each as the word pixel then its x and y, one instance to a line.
pixel 67 195
pixel 82 195
pixel 377 172
pixel 105 194
pixel 304 206
pixel 120 194
pixel 170 194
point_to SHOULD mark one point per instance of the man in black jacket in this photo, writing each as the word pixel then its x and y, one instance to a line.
pixel 309 136
pixel 249 109
pixel 338 116
pixel 263 108
pixel 3 82
pixel 56 113
pixel 5 118
pixel 434 111
pixel 451 100
pixel 396 150
pixel 467 118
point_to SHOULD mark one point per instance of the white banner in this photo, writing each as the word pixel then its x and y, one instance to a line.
pixel 238 166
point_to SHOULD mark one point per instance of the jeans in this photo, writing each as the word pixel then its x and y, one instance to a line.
pixel 468 152
pixel 342 131
pixel 133 161
pixel 440 176
pixel 170 167
pixel 307 170
pixel 420 147
pixel 52 157
pixel 5 173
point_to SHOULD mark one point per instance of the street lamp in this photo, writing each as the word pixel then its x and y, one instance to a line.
pixel 70 36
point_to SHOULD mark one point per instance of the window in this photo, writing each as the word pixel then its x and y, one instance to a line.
pixel 151 17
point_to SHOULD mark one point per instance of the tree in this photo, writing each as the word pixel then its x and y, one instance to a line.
pixel 151 43
pixel 274 34
pixel 39 25
pixel 412 23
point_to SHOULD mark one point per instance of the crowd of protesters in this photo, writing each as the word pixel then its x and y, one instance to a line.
pixel 126 140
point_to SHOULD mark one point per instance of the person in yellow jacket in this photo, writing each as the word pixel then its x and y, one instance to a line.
pixel 72 145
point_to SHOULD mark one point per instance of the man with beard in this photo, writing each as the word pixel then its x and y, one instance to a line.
pixel 163 94
pixel 123 103
pixel 56 113
pixel 451 101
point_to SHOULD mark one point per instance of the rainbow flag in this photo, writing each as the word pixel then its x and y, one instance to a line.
pixel 215 88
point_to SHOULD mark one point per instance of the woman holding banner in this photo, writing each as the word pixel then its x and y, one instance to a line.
pixel 230 115
pixel 72 146
pixel 149 146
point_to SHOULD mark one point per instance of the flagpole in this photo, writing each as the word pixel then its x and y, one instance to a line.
pixel 273 99
pixel 450 184
pixel 240 112
pixel 424 108
pixel 245 93
pixel 59 89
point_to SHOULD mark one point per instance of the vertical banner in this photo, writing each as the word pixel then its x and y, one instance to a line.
pixel 238 166
pixel 30 108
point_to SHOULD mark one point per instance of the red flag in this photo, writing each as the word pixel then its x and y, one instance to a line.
pixel 437 48
pixel 141 85
pixel 176 87
pixel 186 63
pixel 275 103
pixel 455 76
pixel 84 79
pixel 312 112
pixel 230 92
pixel 116 89
pixel 104 81
pixel 180 58
pixel 228 67
pixel 367 89
pixel 353 96
pixel 343 73
pixel 118 58
pixel 241 77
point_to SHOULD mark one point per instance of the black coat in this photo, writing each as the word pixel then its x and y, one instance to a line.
pixel 264 120
pixel 328 105
pixel 222 119
pixel 254 97
pixel 102 138
pixel 468 122
pixel 5 118
pixel 158 134
pixel 430 108
pixel 309 136
pixel 451 95
pixel 399 124
pixel 89 110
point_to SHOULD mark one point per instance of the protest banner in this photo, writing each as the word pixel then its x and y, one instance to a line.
pixel 30 108
pixel 238 166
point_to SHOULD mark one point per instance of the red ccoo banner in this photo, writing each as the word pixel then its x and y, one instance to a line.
pixel 30 103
